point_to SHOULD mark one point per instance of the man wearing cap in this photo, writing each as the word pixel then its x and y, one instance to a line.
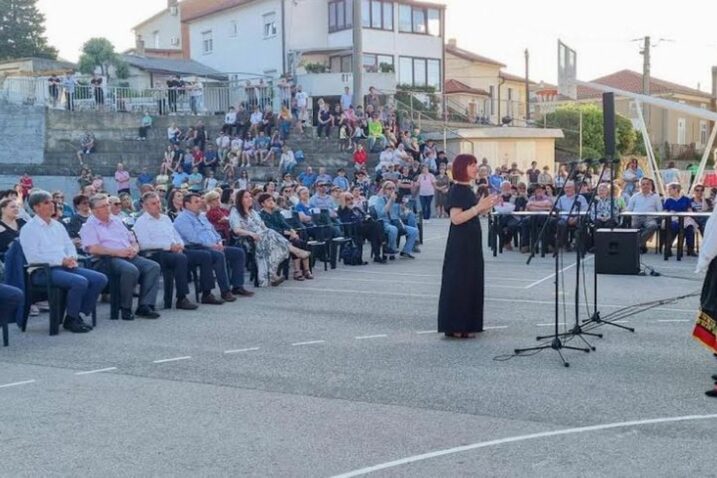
pixel 45 240
pixel 106 236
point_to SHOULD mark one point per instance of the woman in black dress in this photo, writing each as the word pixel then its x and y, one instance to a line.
pixel 460 307
pixel 10 223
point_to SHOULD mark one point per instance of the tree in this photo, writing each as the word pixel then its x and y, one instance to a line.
pixel 22 31
pixel 100 53
pixel 567 118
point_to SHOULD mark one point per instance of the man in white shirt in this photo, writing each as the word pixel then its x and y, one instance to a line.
pixel 346 99
pixel 256 119
pixel 45 241
pixel 155 232
pixel 230 120
pixel 647 200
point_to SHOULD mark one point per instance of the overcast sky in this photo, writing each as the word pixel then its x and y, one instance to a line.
pixel 600 31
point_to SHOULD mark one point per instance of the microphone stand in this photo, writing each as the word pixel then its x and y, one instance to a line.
pixel 555 344
pixel 596 318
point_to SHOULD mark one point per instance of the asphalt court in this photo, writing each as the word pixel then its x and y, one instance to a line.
pixel 346 374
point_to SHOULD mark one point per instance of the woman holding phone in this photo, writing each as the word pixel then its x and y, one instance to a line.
pixel 460 307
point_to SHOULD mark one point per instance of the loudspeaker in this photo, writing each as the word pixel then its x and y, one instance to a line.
pixel 617 251
pixel 608 124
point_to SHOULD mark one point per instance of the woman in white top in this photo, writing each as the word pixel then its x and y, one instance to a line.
pixel 426 190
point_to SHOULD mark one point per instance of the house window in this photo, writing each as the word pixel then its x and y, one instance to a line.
pixel 340 15
pixel 233 29
pixel 155 39
pixel 414 19
pixel 420 72
pixel 703 133
pixel 341 64
pixel 377 14
pixel 372 63
pixel 681 130
pixel 269 25
pixel 207 42
pixel 491 109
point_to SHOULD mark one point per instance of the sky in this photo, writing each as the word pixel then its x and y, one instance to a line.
pixel 601 32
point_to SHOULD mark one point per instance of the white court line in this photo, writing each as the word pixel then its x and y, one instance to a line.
pixel 175 359
pixel 530 286
pixel 435 237
pixel 251 349
pixel 434 276
pixel 89 372
pixel 366 337
pixel 495 327
pixel 17 384
pixel 399 282
pixel 311 342
pixel 424 332
pixel 674 320
pixel 532 436
pixel 487 299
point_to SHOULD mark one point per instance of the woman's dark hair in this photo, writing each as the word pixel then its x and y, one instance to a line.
pixel 170 199
pixel 237 202
pixel 226 196
pixel 652 183
pixel 263 197
pixel 79 199
pixel 460 166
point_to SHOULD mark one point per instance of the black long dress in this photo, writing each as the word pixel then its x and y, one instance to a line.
pixel 460 307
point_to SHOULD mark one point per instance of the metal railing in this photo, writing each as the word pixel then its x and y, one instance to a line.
pixel 208 98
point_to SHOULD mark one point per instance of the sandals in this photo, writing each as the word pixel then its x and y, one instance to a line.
pixel 298 276
pixel 308 275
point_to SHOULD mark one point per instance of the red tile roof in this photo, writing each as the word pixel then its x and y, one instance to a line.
pixel 631 81
pixel 470 56
pixel 194 9
pixel 511 77
pixel 455 86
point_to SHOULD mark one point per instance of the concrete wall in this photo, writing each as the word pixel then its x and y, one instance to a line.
pixel 23 132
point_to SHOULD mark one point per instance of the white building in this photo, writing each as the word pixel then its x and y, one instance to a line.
pixel 402 40
pixel 162 32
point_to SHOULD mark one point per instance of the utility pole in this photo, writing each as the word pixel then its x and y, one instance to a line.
pixel 357 62
pixel 527 86
pixel 645 52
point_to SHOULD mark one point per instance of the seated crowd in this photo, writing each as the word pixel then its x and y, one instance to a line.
pixel 591 196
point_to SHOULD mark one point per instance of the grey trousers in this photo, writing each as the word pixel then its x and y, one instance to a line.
pixel 132 271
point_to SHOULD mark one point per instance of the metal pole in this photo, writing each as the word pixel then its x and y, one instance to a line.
pixel 580 145
pixel 358 54
pixel 527 86
pixel 646 75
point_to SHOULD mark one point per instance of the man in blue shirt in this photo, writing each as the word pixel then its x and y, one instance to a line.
pixel 570 202
pixel 196 231
pixel 323 177
pixel 495 180
pixel 211 159
pixel 307 178
pixel 341 181
pixel 144 178
pixel 384 203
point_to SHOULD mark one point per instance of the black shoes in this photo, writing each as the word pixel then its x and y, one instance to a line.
pixel 76 325
pixel 228 296
pixel 211 299
pixel 380 260
pixel 408 254
pixel 127 314
pixel 241 291
pixel 711 393
pixel 146 312
pixel 186 304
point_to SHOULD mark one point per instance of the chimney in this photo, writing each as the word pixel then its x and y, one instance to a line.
pixel 139 46
pixel 452 42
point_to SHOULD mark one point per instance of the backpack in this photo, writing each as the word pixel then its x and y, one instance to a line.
pixel 352 255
